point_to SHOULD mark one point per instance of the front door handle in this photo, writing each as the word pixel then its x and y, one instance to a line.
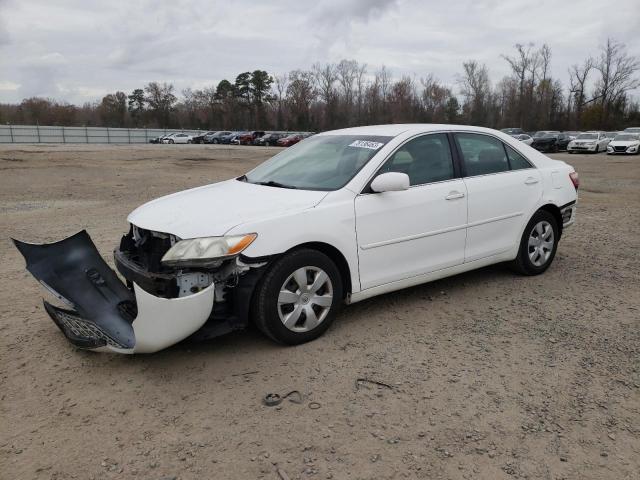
pixel 531 181
pixel 454 195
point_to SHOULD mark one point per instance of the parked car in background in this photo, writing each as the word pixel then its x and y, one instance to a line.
pixel 572 135
pixel 524 138
pixel 247 138
pixel 269 139
pixel 611 135
pixel 178 138
pixel 157 139
pixel 549 141
pixel 227 139
pixel 216 136
pixel 624 143
pixel 200 137
pixel 588 142
pixel 512 131
pixel 632 130
pixel 341 217
pixel 542 133
pixel 289 140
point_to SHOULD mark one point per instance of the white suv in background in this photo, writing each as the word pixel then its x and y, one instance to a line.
pixel 593 142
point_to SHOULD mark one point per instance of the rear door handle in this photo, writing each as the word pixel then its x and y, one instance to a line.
pixel 531 181
pixel 454 195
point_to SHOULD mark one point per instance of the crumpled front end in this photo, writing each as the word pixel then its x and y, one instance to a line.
pixel 156 308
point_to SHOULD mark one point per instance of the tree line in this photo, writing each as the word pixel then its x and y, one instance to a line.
pixel 348 93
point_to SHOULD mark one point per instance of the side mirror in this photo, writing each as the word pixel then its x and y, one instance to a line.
pixel 390 182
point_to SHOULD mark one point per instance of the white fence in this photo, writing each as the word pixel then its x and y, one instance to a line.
pixel 42 134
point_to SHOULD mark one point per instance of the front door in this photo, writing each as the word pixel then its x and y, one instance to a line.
pixel 415 231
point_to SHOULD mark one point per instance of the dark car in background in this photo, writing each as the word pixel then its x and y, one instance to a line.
pixel 216 136
pixel 200 137
pixel 269 139
pixel 549 141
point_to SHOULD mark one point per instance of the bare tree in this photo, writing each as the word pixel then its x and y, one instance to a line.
pixel 578 76
pixel 475 87
pixel 521 64
pixel 617 76
pixel 281 83
pixel 325 77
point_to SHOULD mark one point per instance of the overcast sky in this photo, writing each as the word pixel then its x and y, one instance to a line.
pixel 79 50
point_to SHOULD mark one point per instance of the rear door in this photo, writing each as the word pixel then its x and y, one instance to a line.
pixel 503 190
pixel 415 231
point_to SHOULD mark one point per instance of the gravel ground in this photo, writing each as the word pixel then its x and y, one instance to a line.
pixel 489 374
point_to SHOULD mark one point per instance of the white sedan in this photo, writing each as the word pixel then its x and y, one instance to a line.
pixel 178 138
pixel 624 143
pixel 340 217
pixel 593 142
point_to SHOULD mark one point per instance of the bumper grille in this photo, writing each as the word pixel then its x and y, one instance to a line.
pixel 79 331
pixel 619 149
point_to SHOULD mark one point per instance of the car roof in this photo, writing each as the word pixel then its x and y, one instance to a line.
pixel 396 129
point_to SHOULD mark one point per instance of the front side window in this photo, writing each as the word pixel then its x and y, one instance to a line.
pixel 425 159
pixel 321 162
pixel 482 154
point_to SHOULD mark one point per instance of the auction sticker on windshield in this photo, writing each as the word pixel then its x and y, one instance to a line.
pixel 366 144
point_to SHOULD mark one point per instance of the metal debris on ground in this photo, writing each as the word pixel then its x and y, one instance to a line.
pixel 362 381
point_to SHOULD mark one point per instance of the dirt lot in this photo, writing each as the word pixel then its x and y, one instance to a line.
pixel 492 375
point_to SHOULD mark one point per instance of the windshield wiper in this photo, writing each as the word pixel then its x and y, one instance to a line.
pixel 271 183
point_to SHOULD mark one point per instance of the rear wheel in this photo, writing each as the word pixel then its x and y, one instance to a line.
pixel 538 244
pixel 298 297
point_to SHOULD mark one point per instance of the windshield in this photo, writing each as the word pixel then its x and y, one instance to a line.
pixel 587 136
pixel 626 137
pixel 323 162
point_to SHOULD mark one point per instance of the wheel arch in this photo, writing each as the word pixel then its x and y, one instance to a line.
pixel 336 256
pixel 555 211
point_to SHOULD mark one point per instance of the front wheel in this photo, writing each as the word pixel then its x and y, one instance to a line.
pixel 538 244
pixel 189 141
pixel 298 297
pixel 171 141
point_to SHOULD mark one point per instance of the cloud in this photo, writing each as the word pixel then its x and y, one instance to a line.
pixel 73 49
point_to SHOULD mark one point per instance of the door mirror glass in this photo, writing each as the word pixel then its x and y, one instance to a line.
pixel 390 182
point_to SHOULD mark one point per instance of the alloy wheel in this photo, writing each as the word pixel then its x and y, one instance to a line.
pixel 305 299
pixel 541 242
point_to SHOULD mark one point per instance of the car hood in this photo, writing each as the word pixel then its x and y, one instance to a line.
pixel 212 210
pixel 623 143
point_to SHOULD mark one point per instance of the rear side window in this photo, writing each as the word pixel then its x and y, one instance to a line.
pixel 482 154
pixel 517 161
pixel 426 159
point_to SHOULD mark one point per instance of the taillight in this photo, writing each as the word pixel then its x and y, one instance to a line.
pixel 575 179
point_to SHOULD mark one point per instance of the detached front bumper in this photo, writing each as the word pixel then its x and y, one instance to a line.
pixel 103 313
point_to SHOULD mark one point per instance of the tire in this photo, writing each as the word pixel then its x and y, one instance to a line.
pixel 537 261
pixel 171 141
pixel 289 323
pixel 189 141
pixel 597 149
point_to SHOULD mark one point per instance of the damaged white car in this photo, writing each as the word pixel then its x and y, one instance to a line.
pixel 340 217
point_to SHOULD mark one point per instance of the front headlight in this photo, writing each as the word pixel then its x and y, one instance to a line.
pixel 207 251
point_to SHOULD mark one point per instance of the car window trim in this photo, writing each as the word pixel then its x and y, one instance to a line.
pixel 463 163
pixel 457 174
